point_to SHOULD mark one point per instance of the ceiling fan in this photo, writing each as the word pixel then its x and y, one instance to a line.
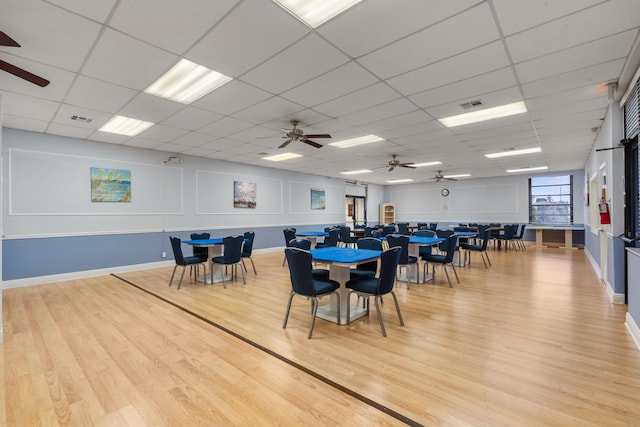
pixel 394 162
pixel 439 177
pixel 5 40
pixel 296 134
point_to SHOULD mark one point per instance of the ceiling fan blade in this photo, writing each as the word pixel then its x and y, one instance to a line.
pixel 407 165
pixel 23 74
pixel 391 168
pixel 450 179
pixel 5 40
pixel 311 143
pixel 318 135
pixel 284 144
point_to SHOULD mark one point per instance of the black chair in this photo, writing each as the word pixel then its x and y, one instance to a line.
pixel 305 244
pixel 247 249
pixel 423 225
pixel 519 237
pixel 388 229
pixel 446 259
pixel 424 249
pixel 231 255
pixel 199 251
pixel 368 269
pixel 507 236
pixel 345 237
pixel 482 248
pixel 181 260
pixel 433 226
pixel 378 286
pixel 403 228
pixel 331 240
pixel 289 235
pixel 406 260
pixel 303 283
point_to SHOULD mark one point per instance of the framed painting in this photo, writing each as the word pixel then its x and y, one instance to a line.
pixel 244 194
pixel 110 185
pixel 318 199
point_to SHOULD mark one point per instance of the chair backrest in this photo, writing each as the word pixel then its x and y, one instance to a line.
pixel 433 225
pixel 482 228
pixel 368 231
pixel 452 242
pixel 388 229
pixel 509 231
pixel 422 225
pixel 444 234
pixel 247 248
pixel 398 240
pixel 345 234
pixel 289 234
pixel 389 261
pixel 462 228
pixel 300 270
pixel 486 236
pixel 304 244
pixel 376 233
pixel 403 228
pixel 232 249
pixel 333 238
pixel 200 252
pixel 373 244
pixel 425 233
pixel 521 228
pixel 177 250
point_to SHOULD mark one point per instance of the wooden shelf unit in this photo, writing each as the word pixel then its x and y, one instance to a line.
pixel 387 213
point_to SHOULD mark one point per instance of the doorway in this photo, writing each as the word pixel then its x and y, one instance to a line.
pixel 355 211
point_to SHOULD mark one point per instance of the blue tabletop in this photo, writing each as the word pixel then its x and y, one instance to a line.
pixel 421 240
pixel 311 233
pixel 204 242
pixel 344 255
pixel 465 233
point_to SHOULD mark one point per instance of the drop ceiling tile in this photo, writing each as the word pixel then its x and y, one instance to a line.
pixel 24 123
pixel 60 80
pixel 380 112
pixel 96 10
pixel 150 108
pixel 259 29
pixel 271 109
pixel 26 106
pixel 170 25
pixel 35 25
pixel 162 133
pixel 174 148
pixel 467 90
pixel 143 143
pixel 359 100
pixel 466 65
pixel 125 61
pixel 98 95
pixel 375 23
pixel 191 118
pixel 111 138
pixel 84 118
pixel 516 16
pixel 192 139
pixel 493 99
pixel 585 55
pixel 467 30
pixel 225 126
pixel 590 76
pixel 398 121
pixel 605 19
pixel 232 97
pixel 305 60
pixel 341 81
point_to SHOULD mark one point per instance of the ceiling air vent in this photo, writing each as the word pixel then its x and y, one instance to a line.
pixel 471 104
pixel 81 119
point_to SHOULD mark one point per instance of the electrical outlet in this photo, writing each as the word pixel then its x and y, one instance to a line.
pixel 164 254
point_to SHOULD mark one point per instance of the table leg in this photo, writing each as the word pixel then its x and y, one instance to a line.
pixel 340 274
pixel 538 238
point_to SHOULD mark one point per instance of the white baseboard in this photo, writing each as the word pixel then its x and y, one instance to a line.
pixel 633 329
pixel 594 264
pixel 613 296
pixel 39 280
pixel 8 284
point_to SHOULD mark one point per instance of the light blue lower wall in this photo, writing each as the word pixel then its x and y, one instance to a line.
pixel 616 266
pixel 592 245
pixel 34 257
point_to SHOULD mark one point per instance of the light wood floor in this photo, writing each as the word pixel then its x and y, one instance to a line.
pixel 532 341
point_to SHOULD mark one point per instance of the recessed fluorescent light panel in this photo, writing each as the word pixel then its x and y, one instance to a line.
pixel 417 165
pixel 368 139
pixel 461 175
pixel 539 168
pixel 125 126
pixel 316 12
pixel 396 181
pixel 356 172
pixel 186 82
pixel 281 157
pixel 513 152
pixel 486 114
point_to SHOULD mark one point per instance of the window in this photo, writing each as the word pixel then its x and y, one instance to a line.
pixel 551 199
